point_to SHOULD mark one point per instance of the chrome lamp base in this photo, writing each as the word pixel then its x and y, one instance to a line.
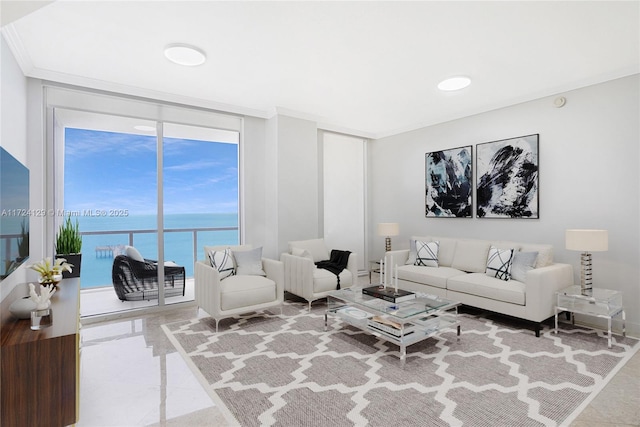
pixel 586 284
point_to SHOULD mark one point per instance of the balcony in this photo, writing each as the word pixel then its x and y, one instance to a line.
pixel 182 245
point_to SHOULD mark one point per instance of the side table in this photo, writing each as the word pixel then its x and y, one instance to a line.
pixel 603 303
pixel 374 267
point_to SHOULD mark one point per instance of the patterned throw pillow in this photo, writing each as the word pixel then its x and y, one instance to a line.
pixel 499 263
pixel 223 262
pixel 427 253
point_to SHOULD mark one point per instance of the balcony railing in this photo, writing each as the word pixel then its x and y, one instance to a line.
pixel 106 251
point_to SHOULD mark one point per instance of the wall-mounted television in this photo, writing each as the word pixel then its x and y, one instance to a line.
pixel 14 213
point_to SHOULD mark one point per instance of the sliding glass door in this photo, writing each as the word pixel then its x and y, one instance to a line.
pixel 132 183
pixel 200 192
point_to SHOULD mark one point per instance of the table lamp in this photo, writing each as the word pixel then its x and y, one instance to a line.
pixel 586 241
pixel 388 229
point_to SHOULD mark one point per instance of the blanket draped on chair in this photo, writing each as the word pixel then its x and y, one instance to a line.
pixel 336 263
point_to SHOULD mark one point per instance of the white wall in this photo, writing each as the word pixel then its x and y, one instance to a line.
pixel 297 182
pixel 13 130
pixel 589 178
pixel 256 190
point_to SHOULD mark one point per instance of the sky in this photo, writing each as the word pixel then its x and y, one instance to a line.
pixel 111 171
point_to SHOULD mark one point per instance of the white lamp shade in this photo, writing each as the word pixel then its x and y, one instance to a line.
pixel 587 240
pixel 388 229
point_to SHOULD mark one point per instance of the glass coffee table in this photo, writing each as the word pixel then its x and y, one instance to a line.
pixel 402 323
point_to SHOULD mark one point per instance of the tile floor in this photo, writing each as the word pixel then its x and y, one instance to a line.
pixel 132 376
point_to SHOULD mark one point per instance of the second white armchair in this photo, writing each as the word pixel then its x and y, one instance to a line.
pixel 304 279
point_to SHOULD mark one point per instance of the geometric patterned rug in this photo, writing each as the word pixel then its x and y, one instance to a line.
pixel 267 369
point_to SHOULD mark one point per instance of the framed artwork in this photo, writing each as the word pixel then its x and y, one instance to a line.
pixel 449 177
pixel 507 178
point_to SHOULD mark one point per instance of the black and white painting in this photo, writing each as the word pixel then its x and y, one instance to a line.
pixel 449 175
pixel 507 183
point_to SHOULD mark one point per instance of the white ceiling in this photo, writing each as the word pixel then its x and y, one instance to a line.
pixel 369 68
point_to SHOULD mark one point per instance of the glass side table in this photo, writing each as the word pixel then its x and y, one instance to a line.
pixel 374 267
pixel 603 303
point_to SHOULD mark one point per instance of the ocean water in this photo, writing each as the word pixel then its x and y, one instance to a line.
pixel 179 246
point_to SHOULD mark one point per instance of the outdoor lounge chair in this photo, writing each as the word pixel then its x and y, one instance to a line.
pixel 135 280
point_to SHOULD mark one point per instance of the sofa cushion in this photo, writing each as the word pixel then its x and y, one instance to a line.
pixel 426 253
pixel 499 263
pixel 249 263
pixel 223 262
pixel 522 262
pixel 446 251
pixel 243 291
pixel 324 280
pixel 545 253
pixel 433 276
pixel 471 255
pixel 481 285
pixel 505 244
pixel 316 248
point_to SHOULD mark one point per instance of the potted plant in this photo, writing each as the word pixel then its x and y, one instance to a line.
pixel 23 242
pixel 69 246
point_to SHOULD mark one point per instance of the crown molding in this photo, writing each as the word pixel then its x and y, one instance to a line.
pixel 17 48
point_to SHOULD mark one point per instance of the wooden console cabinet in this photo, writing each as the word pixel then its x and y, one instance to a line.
pixel 39 370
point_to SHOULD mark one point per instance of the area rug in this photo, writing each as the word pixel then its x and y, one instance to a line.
pixel 268 369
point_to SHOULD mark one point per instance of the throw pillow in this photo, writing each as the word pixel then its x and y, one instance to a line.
pixel 223 262
pixel 522 262
pixel 249 263
pixel 411 260
pixel 427 253
pixel 316 248
pixel 133 253
pixel 301 253
pixel 499 263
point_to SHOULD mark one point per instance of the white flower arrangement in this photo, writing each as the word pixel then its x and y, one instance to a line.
pixel 49 270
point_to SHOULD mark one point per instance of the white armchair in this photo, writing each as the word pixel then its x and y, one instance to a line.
pixel 304 279
pixel 239 293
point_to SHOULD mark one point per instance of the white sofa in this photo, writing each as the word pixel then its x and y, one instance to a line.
pixel 461 276
pixel 304 279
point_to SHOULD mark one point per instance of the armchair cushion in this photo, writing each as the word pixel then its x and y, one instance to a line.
pixel 316 248
pixel 325 281
pixel 249 263
pixel 223 262
pixel 246 291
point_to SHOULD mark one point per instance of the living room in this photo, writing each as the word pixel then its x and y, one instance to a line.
pixel 588 162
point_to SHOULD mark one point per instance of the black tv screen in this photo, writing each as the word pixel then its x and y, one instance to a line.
pixel 14 213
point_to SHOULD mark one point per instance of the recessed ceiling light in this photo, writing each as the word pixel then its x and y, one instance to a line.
pixel 183 54
pixel 145 128
pixel 454 83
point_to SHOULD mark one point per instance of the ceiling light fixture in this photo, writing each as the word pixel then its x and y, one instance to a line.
pixel 454 83
pixel 183 54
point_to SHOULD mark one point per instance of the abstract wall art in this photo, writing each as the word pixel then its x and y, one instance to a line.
pixel 507 178
pixel 449 188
